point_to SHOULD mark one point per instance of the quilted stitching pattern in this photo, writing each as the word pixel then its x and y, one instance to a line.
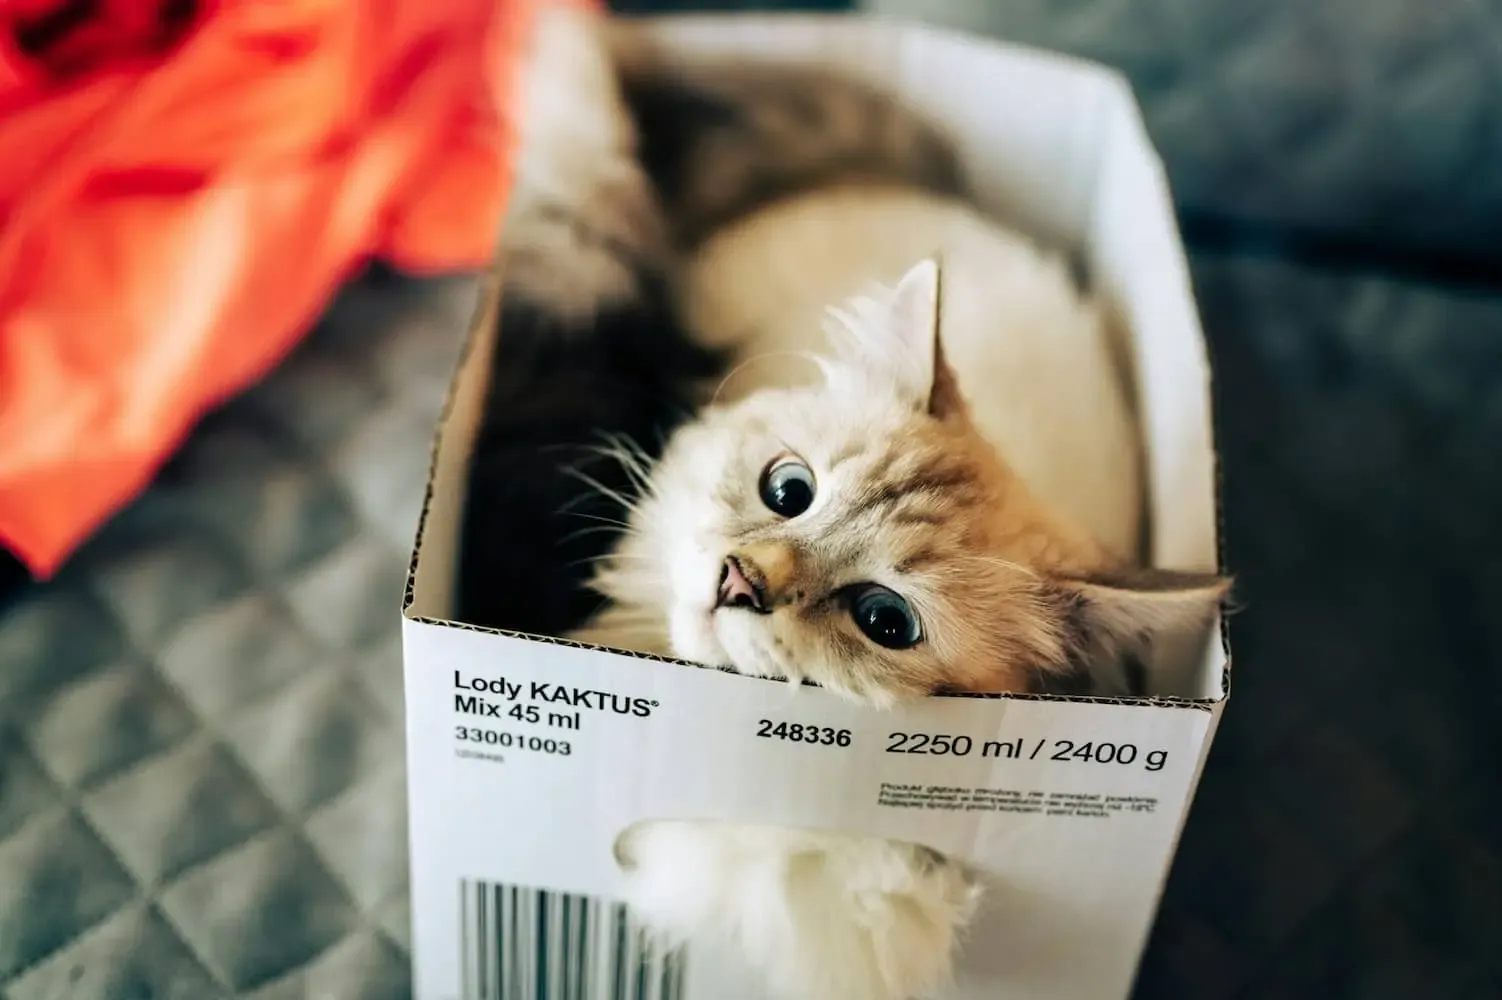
pixel 1369 119
pixel 201 784
pixel 201 770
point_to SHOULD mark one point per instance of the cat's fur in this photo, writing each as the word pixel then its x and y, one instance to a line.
pixel 625 155
pixel 1048 384
pixel 631 161
pixel 821 915
pixel 909 494
pixel 1012 596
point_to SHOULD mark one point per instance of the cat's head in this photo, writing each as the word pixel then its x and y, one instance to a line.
pixel 860 533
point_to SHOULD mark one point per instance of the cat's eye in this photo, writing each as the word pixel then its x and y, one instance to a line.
pixel 787 487
pixel 884 617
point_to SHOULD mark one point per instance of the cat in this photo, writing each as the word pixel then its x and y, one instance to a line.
pixel 641 231
pixel 626 156
pixel 861 532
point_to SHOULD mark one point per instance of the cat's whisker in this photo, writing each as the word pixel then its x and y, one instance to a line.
pixel 630 456
pixel 613 529
pixel 604 490
pixel 573 471
pixel 603 557
pixel 714 398
pixel 1000 563
pixel 608 557
pixel 612 522
pixel 632 447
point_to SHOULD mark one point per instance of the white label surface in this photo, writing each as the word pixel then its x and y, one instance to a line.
pixel 527 759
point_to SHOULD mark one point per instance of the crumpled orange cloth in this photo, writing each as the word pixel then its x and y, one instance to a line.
pixel 183 188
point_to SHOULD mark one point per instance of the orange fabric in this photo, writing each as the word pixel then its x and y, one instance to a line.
pixel 183 187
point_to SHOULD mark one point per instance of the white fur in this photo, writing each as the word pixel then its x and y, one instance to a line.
pixel 820 914
pixel 1036 361
pixel 827 916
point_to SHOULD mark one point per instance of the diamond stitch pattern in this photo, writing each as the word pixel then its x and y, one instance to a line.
pixel 228 657
pixel 132 954
pixel 107 722
pixel 364 839
pixel 202 803
pixel 1366 120
pixel 201 766
pixel 323 717
pixel 363 965
pixel 24 790
pixel 56 636
pixel 245 834
pixel 201 769
pixel 260 911
pixel 56 880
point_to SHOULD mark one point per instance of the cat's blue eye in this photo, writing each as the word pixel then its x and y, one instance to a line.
pixel 885 618
pixel 787 487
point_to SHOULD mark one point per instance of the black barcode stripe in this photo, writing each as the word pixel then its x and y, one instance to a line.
pixel 514 943
pixel 617 951
pixel 482 928
pixel 523 943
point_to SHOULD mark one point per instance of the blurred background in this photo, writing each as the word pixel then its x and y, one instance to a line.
pixel 1338 172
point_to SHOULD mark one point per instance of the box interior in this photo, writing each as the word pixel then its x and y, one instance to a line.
pixel 1071 164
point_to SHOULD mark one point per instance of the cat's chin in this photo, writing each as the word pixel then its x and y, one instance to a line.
pixel 692 632
pixel 743 638
pixel 730 638
pixel 721 638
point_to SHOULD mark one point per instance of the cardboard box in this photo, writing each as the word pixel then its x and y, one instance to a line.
pixel 1073 806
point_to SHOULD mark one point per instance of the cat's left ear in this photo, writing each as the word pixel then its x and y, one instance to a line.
pixel 915 322
pixel 1129 612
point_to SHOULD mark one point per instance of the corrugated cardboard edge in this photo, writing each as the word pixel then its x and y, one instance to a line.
pixel 483 316
pixel 486 313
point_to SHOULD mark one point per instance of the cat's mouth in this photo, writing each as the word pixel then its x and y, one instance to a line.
pixel 740 586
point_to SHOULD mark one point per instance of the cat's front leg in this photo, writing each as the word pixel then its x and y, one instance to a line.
pixel 822 915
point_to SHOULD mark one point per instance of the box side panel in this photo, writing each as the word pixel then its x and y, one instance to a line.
pixel 1138 262
pixel 528 760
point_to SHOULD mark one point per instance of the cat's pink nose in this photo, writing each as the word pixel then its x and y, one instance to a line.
pixel 736 589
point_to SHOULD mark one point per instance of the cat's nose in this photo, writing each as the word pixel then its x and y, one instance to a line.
pixel 737 589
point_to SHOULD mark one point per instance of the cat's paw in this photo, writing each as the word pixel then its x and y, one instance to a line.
pixel 823 916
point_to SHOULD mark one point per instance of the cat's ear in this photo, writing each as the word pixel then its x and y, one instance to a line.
pixel 1128 612
pixel 914 322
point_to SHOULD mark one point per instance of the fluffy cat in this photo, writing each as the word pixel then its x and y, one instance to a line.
pixel 860 531
pixel 1047 382
pixel 655 199
pixel 807 532
pixel 626 156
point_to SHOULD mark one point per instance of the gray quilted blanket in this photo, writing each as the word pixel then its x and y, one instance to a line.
pixel 1350 122
pixel 201 764
pixel 201 770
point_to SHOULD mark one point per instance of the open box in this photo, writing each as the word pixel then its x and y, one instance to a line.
pixel 527 756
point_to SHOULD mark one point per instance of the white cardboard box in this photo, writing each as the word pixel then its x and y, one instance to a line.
pixel 1073 807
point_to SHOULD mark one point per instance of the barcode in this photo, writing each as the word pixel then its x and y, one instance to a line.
pixel 523 943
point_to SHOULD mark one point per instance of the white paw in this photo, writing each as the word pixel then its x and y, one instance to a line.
pixel 823 916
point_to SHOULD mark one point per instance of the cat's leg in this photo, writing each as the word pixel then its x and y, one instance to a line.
pixel 824 916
